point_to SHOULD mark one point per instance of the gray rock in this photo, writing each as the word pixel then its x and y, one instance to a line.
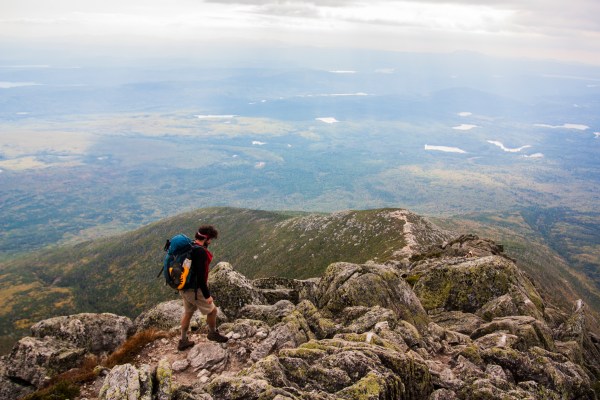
pixel 125 382
pixel 237 388
pixel 368 320
pixel 342 369
pixel 271 314
pixel 346 285
pixel 164 378
pixel 9 390
pixel 551 370
pixel 97 333
pixel 180 365
pixel 283 335
pixel 530 331
pixel 35 360
pixel 442 394
pixel 498 339
pixel 166 316
pixel 468 285
pixel 232 290
pixel 321 326
pixel 207 355
pixel 457 321
pixel 275 289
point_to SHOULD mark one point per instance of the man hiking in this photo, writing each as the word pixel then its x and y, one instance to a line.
pixel 192 300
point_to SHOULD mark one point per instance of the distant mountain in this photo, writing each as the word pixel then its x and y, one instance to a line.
pixel 118 274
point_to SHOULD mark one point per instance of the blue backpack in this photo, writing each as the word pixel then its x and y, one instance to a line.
pixel 177 262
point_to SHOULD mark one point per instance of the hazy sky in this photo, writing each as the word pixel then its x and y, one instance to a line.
pixel 552 29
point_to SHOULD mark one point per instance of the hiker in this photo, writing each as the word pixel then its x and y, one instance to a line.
pixel 198 297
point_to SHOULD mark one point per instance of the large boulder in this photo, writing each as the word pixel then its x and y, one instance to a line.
pixel 97 333
pixel 346 285
pixel 271 314
pixel 232 290
pixel 291 332
pixel 276 288
pixel 166 316
pixel 34 361
pixel 126 382
pixel 468 285
pixel 529 331
pixel 208 355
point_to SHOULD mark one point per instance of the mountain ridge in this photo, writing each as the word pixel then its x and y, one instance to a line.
pixel 105 275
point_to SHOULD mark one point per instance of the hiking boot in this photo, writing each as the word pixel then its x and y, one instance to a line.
pixel 184 344
pixel 217 337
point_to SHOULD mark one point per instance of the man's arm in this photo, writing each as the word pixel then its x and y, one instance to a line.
pixel 199 263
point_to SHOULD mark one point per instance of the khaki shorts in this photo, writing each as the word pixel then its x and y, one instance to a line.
pixel 190 304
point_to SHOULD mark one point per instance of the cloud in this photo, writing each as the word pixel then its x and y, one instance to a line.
pixel 578 127
pixel 534 155
pixel 445 149
pixel 327 120
pixel 510 150
pixel 464 127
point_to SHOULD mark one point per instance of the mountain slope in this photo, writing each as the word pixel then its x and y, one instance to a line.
pixel 118 274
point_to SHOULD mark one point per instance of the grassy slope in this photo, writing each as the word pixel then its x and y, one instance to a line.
pixel 118 274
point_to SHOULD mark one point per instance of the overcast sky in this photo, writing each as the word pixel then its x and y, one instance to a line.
pixel 548 29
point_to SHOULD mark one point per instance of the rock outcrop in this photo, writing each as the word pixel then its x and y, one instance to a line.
pixel 456 321
pixel 96 333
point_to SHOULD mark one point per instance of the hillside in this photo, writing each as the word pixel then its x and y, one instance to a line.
pixel 555 270
pixel 118 274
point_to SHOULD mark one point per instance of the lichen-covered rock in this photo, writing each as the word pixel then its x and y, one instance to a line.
pixel 552 370
pixel 164 380
pixel 97 333
pixel 469 285
pixel 320 325
pixel 346 285
pixel 232 290
pixel 166 316
pixel 125 382
pixel 368 320
pixel 291 332
pixel 275 289
pixel 575 329
pixel 271 314
pixel 35 361
pixel 237 388
pixel 336 369
pixel 207 355
pixel 457 321
pixel 528 330
pixel 10 390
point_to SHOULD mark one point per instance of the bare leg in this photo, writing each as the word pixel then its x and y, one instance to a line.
pixel 185 324
pixel 211 320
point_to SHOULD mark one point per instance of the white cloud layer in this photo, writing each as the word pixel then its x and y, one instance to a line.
pixel 548 29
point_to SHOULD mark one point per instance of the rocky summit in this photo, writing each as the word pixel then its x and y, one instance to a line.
pixel 456 319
